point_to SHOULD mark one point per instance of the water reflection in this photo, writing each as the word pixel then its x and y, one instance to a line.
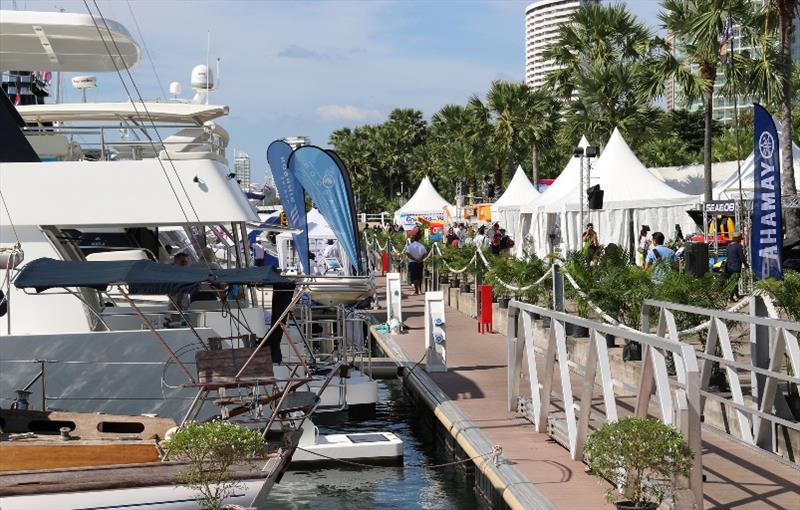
pixel 349 488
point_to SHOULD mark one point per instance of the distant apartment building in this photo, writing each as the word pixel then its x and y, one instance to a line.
pixel 543 19
pixel 724 107
pixel 241 166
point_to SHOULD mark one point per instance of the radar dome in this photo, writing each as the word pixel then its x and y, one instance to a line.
pixel 202 78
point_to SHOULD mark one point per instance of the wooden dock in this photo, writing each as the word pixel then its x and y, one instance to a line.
pixel 475 385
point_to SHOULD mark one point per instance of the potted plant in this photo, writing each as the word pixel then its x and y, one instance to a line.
pixel 642 457
pixel 211 450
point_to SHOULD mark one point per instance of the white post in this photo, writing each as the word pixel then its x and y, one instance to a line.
pixel 435 333
pixel 394 311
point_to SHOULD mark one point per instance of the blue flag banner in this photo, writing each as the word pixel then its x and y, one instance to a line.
pixel 351 199
pixel 292 197
pixel 320 176
pixel 766 242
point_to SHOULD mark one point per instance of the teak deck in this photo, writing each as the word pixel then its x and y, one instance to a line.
pixel 737 475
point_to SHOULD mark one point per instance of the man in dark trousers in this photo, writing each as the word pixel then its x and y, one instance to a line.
pixel 735 259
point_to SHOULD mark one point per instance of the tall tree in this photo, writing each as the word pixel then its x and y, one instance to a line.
pixel 541 119
pixel 507 102
pixel 786 10
pixel 601 73
pixel 696 27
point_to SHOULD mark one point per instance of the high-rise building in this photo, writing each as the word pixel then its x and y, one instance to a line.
pixel 241 166
pixel 543 19
pixel 723 109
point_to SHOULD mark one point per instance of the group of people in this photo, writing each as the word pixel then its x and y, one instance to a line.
pixel 496 240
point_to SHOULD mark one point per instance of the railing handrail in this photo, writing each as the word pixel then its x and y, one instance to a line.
pixel 601 327
pixel 725 315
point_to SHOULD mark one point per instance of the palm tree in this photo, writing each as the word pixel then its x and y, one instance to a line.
pixel 786 10
pixel 696 26
pixel 507 102
pixel 541 111
pixel 601 74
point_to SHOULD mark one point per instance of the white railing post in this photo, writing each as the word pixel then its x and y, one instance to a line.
pixel 513 346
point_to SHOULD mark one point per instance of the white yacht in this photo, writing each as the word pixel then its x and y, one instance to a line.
pixel 117 181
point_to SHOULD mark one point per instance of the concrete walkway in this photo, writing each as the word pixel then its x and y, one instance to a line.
pixel 737 475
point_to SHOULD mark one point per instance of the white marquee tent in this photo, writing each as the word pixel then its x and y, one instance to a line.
pixel 506 210
pixel 728 189
pixel 633 196
pixel 318 234
pixel 427 202
pixel 536 225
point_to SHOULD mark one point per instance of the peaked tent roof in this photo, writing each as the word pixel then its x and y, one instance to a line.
pixel 729 187
pixel 425 200
pixel 520 191
pixel 565 183
pixel 318 227
pixel 625 181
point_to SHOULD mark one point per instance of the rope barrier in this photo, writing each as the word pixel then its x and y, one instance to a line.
pixel 606 317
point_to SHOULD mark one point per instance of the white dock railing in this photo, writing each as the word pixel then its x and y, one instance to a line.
pixel 680 394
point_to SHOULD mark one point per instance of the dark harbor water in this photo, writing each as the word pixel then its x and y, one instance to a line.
pixel 350 488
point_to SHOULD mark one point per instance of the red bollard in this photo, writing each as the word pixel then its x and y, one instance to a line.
pixel 384 262
pixel 485 317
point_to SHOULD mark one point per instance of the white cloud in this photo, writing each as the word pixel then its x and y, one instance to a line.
pixel 348 112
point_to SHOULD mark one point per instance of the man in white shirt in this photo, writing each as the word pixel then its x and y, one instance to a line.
pixel 331 253
pixel 416 252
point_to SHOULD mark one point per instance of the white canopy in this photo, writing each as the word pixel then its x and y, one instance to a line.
pixel 626 183
pixel 149 111
pixel 319 231
pixel 506 210
pixel 566 183
pixel 64 41
pixel 519 191
pixel 632 195
pixel 729 188
pixel 426 200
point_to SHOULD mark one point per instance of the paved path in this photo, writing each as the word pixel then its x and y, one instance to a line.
pixel 737 475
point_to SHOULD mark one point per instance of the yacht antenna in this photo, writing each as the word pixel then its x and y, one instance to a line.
pixel 208 51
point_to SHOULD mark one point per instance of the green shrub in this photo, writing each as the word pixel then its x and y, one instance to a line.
pixel 211 449
pixel 785 293
pixel 640 455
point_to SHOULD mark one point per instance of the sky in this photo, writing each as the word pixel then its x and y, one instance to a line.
pixel 309 68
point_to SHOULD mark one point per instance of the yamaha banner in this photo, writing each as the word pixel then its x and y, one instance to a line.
pixel 322 179
pixel 292 197
pixel 766 242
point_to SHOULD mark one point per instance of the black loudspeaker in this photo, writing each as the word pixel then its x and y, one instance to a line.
pixel 595 195
pixel 695 257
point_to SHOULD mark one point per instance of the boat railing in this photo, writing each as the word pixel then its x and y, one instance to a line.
pixel 108 143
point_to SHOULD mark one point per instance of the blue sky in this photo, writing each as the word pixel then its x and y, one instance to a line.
pixel 308 68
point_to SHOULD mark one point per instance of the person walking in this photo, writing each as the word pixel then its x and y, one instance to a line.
pixel 416 252
pixel 656 255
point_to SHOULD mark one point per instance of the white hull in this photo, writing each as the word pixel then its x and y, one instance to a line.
pixel 358 389
pixel 165 497
pixel 364 446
